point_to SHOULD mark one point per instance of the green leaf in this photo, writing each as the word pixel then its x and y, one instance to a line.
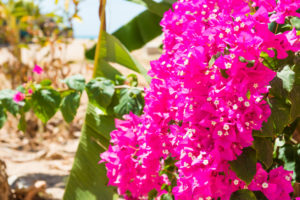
pixel 157 8
pixel 295 100
pixel 131 100
pixel 264 150
pixel 245 165
pixel 268 61
pixel 46 82
pixel 22 123
pixel 248 94
pixel 140 30
pixel 133 80
pixel 266 130
pixel 243 195
pixel 277 89
pixel 259 195
pixel 88 179
pixel 167 196
pixel 6 97
pixel 287 75
pixel 140 2
pixel 76 82
pixel 100 91
pixel 112 50
pixel 295 22
pixel 169 1
pixel 290 155
pixel 213 59
pixel 280 113
pixel 11 106
pixel 69 106
pixel 223 73
pixel 107 70
pixel 45 103
pixel 152 194
pixel 2 116
pixel 297 70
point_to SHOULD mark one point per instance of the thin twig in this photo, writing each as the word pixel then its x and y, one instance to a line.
pixel 128 87
pixel 276 28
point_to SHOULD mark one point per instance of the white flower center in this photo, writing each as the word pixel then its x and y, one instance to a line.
pixel 236 182
pixel 265 185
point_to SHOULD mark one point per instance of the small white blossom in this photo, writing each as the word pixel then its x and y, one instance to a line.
pixel 226 127
pixel 205 162
pixel 241 99
pixel 220 133
pixel 216 102
pixel 228 65
pixel 236 28
pixel 235 107
pixel 247 104
pixel 236 182
pixel 265 185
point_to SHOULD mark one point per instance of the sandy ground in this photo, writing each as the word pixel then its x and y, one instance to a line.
pixel 48 156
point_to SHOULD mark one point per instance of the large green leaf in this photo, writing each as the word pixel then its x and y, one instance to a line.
pixel 295 100
pixel 45 103
pixel 140 30
pixel 69 106
pixel 137 32
pixel 88 178
pixel 266 130
pixel 243 195
pixel 100 91
pixel 76 82
pixel 112 50
pixel 280 114
pixel 158 8
pixel 264 150
pixel 245 165
pixel 107 70
pixel 290 155
pixel 130 100
pixel 287 75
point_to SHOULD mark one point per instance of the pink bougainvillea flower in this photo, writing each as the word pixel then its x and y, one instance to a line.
pixel 197 108
pixel 30 91
pixel 19 96
pixel 285 8
pixel 37 69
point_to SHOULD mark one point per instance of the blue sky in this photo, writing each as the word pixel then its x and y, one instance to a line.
pixel 118 12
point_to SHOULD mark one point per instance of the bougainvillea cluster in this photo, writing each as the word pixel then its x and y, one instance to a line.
pixel 206 98
pixel 20 96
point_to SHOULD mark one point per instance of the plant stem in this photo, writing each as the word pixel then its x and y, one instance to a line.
pixel 276 28
pixel 128 87
pixel 102 27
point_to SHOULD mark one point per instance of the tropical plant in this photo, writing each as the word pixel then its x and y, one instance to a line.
pixel 198 71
